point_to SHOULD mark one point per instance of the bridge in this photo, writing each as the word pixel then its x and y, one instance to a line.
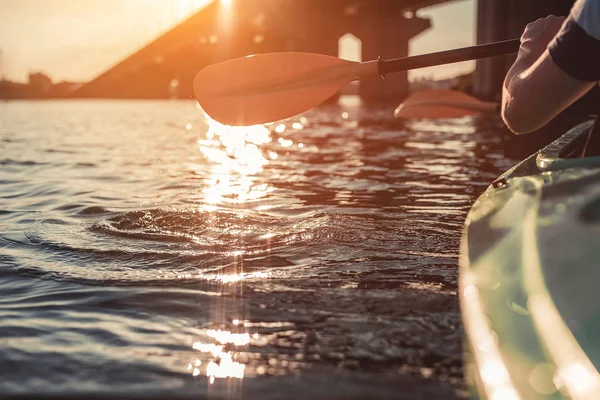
pixel 166 67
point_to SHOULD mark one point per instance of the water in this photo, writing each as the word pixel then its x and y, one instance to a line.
pixel 146 253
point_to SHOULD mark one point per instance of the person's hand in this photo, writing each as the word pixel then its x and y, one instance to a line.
pixel 538 35
pixel 534 42
pixel 536 89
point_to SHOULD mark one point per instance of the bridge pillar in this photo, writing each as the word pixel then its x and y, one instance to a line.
pixel 381 26
pixel 502 20
pixel 387 37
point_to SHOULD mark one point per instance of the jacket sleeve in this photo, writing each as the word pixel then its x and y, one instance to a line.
pixel 576 48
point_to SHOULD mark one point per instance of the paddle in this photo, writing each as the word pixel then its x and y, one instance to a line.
pixel 436 103
pixel 269 87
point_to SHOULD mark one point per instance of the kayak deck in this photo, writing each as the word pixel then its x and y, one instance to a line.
pixel 528 278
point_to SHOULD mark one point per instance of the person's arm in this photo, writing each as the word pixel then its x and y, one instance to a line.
pixel 536 89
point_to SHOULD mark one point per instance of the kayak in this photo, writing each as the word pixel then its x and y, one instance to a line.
pixel 530 275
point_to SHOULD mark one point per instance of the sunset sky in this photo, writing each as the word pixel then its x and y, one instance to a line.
pixel 78 39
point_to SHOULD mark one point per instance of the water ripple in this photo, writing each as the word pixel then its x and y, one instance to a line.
pixel 146 252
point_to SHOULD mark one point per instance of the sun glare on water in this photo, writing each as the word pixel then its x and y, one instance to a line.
pixel 235 160
pixel 222 364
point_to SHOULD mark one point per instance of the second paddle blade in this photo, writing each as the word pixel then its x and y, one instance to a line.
pixel 436 103
pixel 269 87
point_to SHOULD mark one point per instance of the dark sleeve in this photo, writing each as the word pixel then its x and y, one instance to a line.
pixel 576 52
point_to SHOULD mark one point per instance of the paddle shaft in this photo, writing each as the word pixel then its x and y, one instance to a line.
pixel 449 56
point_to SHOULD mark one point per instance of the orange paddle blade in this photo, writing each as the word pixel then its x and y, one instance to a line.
pixel 437 103
pixel 269 87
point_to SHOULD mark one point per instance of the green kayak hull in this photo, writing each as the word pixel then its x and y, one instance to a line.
pixel 529 278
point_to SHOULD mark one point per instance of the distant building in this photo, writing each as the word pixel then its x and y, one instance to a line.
pixel 13 90
pixel 39 86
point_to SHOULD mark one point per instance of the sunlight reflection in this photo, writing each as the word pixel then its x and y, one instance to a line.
pixel 227 368
pixel 225 337
pixel 268 235
pixel 579 378
pixel 541 378
pixel 285 143
pixel 212 348
pixel 280 128
pixel 492 370
pixel 232 278
pixel 223 363
pixel 236 158
pixel 225 278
